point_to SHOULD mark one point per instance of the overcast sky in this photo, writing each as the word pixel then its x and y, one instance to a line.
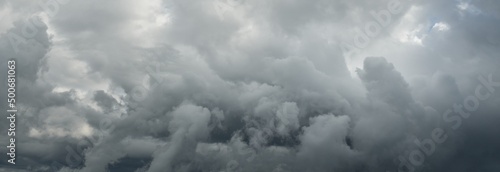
pixel 253 85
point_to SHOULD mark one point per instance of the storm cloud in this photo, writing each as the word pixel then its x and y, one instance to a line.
pixel 253 85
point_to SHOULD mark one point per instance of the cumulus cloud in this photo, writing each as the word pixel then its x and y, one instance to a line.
pixel 235 85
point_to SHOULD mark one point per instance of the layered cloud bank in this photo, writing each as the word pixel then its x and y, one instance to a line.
pixel 239 85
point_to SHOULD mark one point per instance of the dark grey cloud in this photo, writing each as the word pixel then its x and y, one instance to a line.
pixel 235 85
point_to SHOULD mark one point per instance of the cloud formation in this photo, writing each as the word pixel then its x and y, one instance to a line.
pixel 236 85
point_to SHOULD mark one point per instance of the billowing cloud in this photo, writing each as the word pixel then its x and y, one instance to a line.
pixel 235 85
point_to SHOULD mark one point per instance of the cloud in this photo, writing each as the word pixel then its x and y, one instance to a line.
pixel 235 85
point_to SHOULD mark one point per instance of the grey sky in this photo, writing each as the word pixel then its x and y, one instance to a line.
pixel 252 85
